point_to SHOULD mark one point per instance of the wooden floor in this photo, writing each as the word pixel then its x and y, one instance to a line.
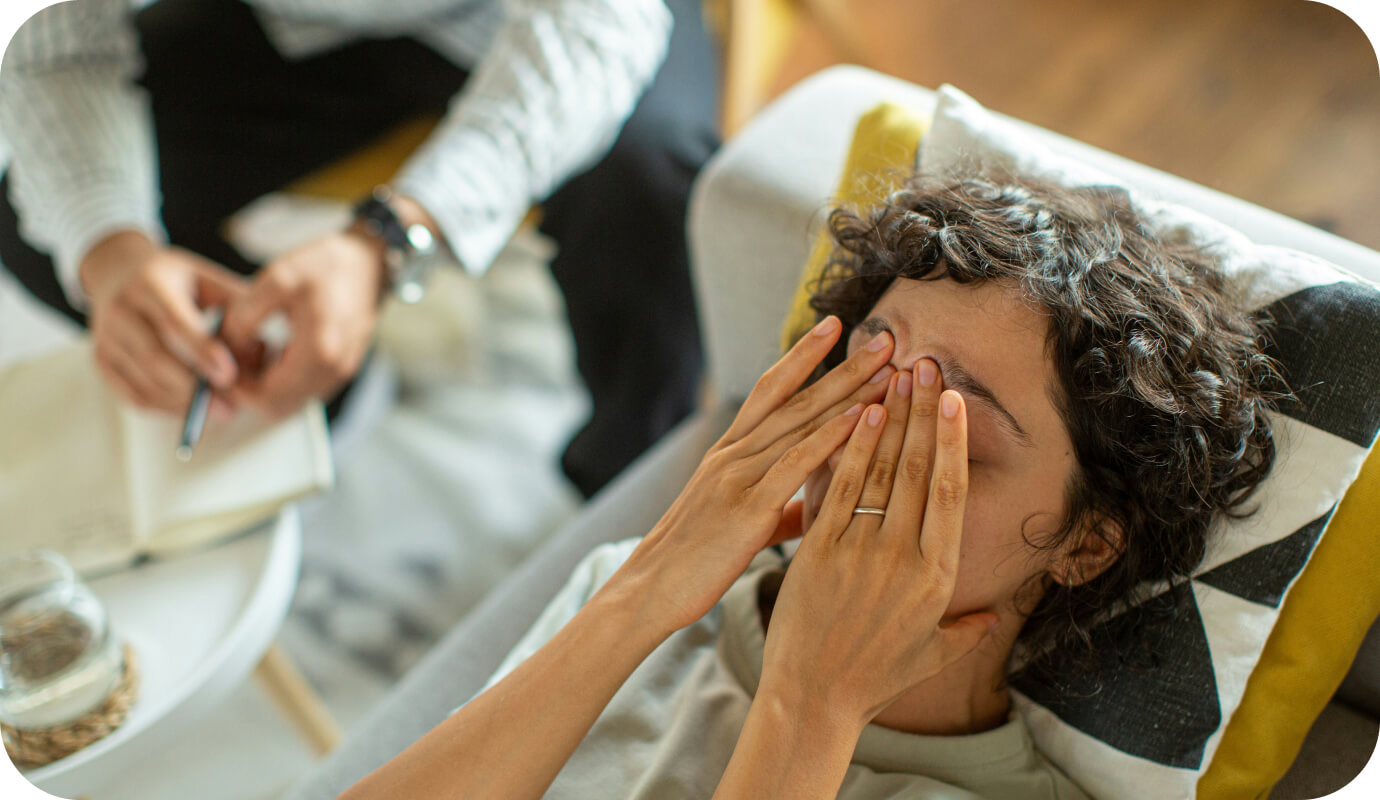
pixel 1274 101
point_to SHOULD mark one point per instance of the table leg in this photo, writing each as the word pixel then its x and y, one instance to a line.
pixel 296 700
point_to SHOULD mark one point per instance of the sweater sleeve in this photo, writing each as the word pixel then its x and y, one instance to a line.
pixel 80 132
pixel 545 102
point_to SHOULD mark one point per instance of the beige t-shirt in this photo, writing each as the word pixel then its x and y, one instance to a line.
pixel 670 730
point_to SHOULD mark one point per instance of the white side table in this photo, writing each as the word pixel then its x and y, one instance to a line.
pixel 199 623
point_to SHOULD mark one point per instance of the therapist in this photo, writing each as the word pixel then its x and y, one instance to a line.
pixel 135 135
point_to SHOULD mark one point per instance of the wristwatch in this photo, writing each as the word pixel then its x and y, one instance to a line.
pixel 410 251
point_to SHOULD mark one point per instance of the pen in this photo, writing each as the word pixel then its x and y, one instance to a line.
pixel 195 421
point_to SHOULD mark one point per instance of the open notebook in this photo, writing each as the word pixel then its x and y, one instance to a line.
pixel 84 474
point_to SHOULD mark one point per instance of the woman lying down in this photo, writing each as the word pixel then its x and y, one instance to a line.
pixel 1024 408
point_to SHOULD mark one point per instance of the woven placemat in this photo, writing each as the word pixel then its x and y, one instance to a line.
pixel 34 747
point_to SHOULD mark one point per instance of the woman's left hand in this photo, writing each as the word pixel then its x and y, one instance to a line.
pixel 857 621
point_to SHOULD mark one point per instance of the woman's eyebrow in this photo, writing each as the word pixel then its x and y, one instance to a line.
pixel 963 381
pixel 956 377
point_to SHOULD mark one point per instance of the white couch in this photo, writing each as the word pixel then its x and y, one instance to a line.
pixel 751 216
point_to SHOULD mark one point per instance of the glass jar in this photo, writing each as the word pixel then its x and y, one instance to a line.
pixel 57 658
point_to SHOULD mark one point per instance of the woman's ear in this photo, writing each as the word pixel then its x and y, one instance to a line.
pixel 1093 550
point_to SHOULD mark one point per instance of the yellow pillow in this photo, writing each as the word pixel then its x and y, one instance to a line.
pixel 883 153
pixel 1333 603
pixel 1329 608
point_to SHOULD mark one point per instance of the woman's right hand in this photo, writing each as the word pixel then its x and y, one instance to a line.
pixel 735 503
pixel 861 616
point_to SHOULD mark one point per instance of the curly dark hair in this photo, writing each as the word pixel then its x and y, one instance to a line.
pixel 1163 384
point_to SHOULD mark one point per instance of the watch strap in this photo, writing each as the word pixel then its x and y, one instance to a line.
pixel 378 218
pixel 375 214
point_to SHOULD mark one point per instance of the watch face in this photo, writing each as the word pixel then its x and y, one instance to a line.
pixel 409 281
pixel 421 239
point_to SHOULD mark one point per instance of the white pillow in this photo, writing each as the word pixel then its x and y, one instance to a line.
pixel 1152 734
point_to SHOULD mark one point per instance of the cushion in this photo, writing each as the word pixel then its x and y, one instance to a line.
pixel 1245 671
pixel 884 148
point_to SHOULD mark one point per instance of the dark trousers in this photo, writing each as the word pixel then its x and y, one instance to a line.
pixel 235 120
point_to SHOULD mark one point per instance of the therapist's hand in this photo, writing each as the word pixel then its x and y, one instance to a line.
pixel 329 291
pixel 149 341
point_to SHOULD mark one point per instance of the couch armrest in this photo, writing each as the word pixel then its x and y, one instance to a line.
pixel 1338 747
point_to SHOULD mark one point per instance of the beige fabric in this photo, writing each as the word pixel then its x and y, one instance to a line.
pixel 670 731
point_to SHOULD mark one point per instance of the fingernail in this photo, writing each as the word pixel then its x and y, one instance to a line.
pixel 903 384
pixel 874 417
pixel 826 326
pixel 879 341
pixel 927 372
pixel 882 374
pixel 853 412
pixel 948 404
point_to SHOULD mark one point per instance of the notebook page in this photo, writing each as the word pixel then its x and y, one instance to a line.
pixel 243 470
pixel 62 481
